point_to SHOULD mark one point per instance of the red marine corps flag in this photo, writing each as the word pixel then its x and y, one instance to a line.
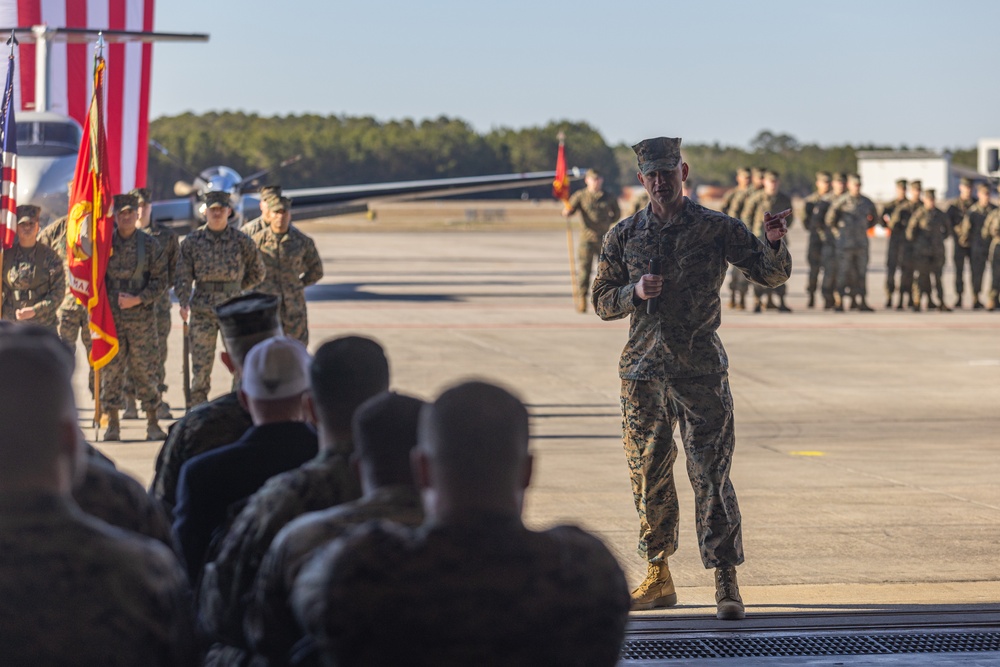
pixel 89 228
pixel 560 186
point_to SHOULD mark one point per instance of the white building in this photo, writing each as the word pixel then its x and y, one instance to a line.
pixel 989 157
pixel 879 171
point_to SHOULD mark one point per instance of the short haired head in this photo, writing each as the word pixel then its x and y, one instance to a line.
pixel 385 432
pixel 983 186
pixel 593 173
pixel 901 182
pixel 142 196
pixel 345 372
pixel 965 182
pixel 743 171
pixel 276 369
pixel 475 436
pixel 37 411
pixel 658 154
pixel 916 185
pixel 268 190
pixel 214 198
pixel 929 194
pixel 823 176
pixel 247 320
pixel 125 202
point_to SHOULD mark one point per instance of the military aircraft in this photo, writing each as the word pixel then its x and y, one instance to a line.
pixel 47 145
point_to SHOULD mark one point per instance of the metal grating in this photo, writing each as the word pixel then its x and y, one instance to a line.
pixel 764 646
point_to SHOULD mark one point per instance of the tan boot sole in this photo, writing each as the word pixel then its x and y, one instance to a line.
pixel 665 601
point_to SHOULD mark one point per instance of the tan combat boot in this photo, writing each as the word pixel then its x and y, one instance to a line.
pixel 114 427
pixel 153 430
pixel 130 410
pixel 656 590
pixel 729 604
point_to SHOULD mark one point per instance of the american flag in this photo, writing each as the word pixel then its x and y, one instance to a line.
pixel 8 181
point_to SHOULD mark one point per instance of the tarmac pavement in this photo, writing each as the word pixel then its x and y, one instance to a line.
pixel 866 463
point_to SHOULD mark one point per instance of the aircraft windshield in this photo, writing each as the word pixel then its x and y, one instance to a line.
pixel 44 139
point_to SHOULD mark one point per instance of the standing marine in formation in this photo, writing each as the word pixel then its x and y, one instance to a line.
pixel 136 278
pixel 972 233
pixel 216 263
pixel 598 211
pixel 926 231
pixel 896 239
pixel 732 205
pixel 849 219
pixel 33 278
pixel 814 221
pixel 754 214
pixel 292 264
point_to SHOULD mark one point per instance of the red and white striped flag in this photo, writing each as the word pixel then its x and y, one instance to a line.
pixel 71 71
pixel 8 182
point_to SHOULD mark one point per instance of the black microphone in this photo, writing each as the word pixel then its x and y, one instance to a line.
pixel 653 304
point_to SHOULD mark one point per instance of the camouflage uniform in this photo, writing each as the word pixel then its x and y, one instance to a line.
pixel 254 226
pixel 292 264
pixel 137 266
pixel 970 233
pixel 33 277
pixel 898 224
pixel 927 230
pixel 674 367
pixel 171 250
pixel 732 205
pixel 76 591
pixel 848 221
pixel 116 498
pixel 962 250
pixel 814 222
pixel 598 211
pixel 270 624
pixel 753 215
pixel 212 267
pixel 73 317
pixel 483 592
pixel 991 234
pixel 325 481
pixel 895 246
pixel 211 425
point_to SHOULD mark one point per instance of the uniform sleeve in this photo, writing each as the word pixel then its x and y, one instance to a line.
pixel 758 261
pixel 270 626
pixel 172 249
pixel 157 282
pixel 748 210
pixel 313 264
pixel 616 210
pixel 613 291
pixel 911 227
pixel 56 279
pixel 255 270
pixel 574 202
pixel 184 276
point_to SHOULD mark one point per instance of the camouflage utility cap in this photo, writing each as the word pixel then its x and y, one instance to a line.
pixel 247 315
pixel 966 181
pixel 27 213
pixel 659 154
pixel 268 190
pixel 854 178
pixel 216 198
pixel 125 201
pixel 916 184
pixel 593 173
pixel 276 203
pixel 823 176
pixel 930 193
pixel 743 171
pixel 142 195
pixel 901 181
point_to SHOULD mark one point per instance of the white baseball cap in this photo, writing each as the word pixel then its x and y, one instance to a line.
pixel 276 368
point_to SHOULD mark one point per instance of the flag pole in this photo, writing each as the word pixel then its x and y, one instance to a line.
pixel 11 42
pixel 99 53
pixel 569 236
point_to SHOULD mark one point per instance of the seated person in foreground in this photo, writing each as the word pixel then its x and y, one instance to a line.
pixel 472 585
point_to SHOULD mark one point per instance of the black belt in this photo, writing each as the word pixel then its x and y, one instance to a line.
pixel 217 286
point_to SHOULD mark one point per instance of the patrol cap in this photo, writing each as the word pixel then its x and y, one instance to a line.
pixel 854 178
pixel 268 190
pixel 966 181
pixel 980 185
pixel 249 314
pixel 823 176
pixel 28 213
pixel 275 203
pixel 593 173
pixel 756 171
pixel 659 154
pixel 125 201
pixel 771 173
pixel 901 182
pixel 930 192
pixel 839 176
pixel 142 195
pixel 276 368
pixel 916 184
pixel 743 171
pixel 216 198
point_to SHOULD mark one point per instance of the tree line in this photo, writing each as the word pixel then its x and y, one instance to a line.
pixel 346 150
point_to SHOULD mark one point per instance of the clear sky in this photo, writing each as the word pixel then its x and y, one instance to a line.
pixel 921 72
